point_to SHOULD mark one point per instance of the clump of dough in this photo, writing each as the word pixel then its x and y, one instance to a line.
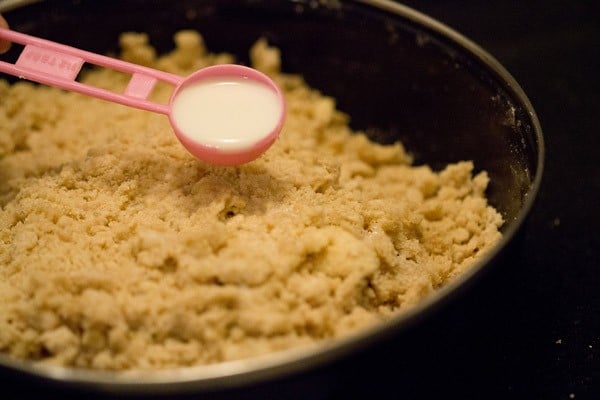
pixel 118 250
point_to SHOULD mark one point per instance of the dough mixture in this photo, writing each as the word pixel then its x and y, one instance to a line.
pixel 119 250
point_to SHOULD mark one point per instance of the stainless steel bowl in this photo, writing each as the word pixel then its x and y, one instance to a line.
pixel 401 76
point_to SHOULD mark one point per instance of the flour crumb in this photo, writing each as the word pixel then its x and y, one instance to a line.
pixel 120 251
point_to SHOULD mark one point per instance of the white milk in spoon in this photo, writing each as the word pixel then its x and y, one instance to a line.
pixel 229 113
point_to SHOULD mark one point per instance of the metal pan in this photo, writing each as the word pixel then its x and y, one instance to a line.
pixel 400 75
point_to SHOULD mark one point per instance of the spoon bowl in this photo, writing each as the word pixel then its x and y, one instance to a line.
pixel 227 114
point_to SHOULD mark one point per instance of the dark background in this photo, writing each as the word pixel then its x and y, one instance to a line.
pixel 530 328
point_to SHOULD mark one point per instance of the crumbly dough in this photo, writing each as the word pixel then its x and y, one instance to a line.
pixel 119 250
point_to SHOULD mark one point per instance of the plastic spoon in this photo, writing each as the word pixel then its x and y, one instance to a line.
pixel 225 114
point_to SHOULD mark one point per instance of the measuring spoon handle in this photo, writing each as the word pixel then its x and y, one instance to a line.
pixel 58 65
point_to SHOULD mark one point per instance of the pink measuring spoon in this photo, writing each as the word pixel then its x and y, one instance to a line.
pixel 224 114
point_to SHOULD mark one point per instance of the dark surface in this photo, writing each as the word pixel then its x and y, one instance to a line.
pixel 530 328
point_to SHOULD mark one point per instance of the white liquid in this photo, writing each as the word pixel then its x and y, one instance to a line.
pixel 227 113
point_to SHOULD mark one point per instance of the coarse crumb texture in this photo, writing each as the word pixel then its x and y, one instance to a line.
pixel 119 250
